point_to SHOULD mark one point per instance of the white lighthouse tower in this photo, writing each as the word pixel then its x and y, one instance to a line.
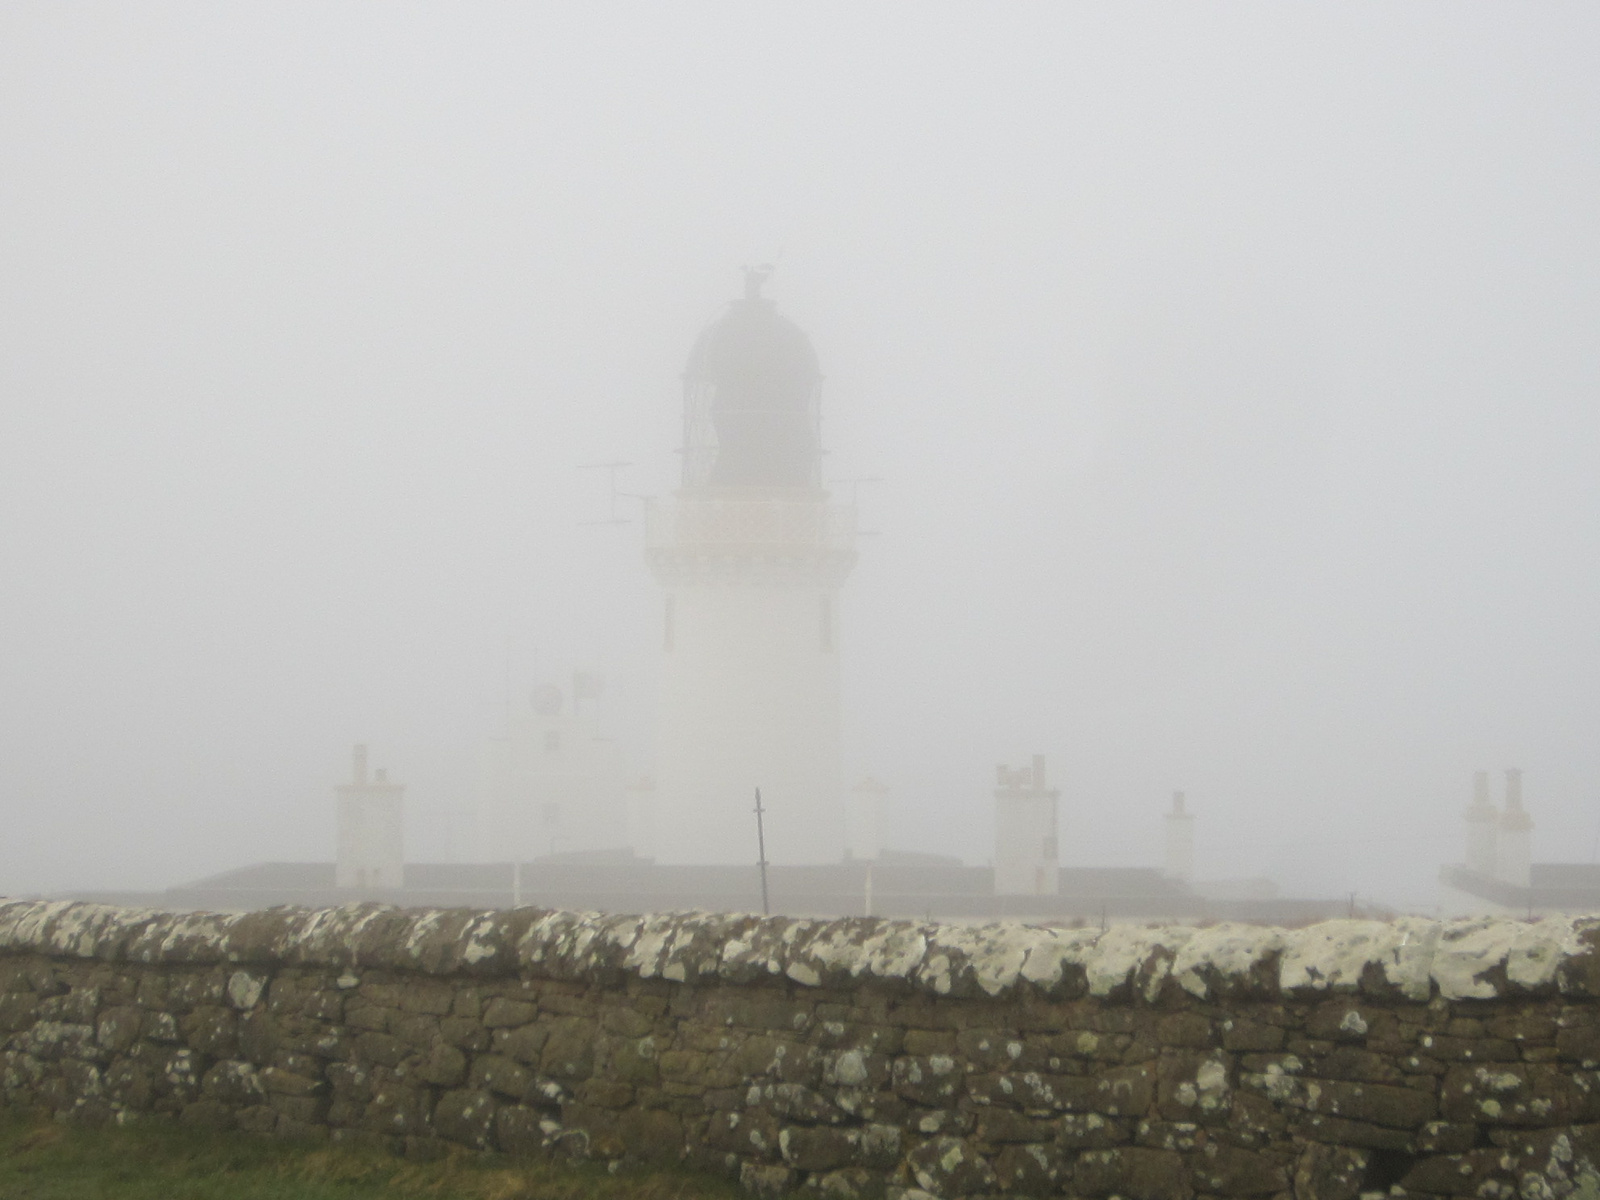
pixel 751 554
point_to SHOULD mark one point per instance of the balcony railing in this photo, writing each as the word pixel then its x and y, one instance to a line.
pixel 749 524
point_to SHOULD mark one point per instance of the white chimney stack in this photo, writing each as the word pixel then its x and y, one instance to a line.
pixel 1180 842
pixel 1026 854
pixel 371 848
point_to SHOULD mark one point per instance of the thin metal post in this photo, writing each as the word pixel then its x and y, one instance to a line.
pixel 761 843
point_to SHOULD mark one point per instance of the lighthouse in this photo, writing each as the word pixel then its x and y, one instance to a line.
pixel 751 553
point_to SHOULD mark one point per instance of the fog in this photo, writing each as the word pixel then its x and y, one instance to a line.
pixel 1230 372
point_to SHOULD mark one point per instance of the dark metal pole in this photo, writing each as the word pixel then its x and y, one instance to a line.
pixel 761 842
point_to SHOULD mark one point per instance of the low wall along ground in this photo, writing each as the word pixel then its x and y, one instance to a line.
pixel 844 1058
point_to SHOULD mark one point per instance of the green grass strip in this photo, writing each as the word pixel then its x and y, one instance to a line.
pixel 41 1160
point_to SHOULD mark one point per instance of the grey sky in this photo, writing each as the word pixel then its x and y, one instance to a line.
pixel 1232 370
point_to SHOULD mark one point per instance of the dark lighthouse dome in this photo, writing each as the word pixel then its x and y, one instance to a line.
pixel 750 399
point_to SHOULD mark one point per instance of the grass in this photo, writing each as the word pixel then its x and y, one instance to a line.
pixel 161 1161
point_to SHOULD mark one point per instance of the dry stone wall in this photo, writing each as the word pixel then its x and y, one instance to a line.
pixel 840 1058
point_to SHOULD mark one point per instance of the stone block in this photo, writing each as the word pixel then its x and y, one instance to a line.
pixel 1340 1021
pixel 1358 1065
pixel 127 1082
pixel 766 1182
pixel 1229 1171
pixel 625 1022
pixel 856 1068
pixel 879 1146
pixel 1031 1169
pixel 417 1030
pixel 794 1102
pixel 1135 1172
pixel 212 1030
pixel 190 989
pixel 117 1028
pixel 920 1043
pixel 324 1004
pixel 433 999
pixel 1090 1131
pixel 688 1065
pixel 234 1083
pixel 350 1079
pixel 17 1010
pixel 1337 1131
pixel 605 1093
pixel 1468 1049
pixel 521 1130
pixel 1519 1094
pixel 1442 1137
pixel 816 1148
pixel 998 1125
pixel 1474 1173
pixel 466 1115
pixel 1035 1093
pixel 76 1007
pixel 524 1043
pixel 1242 1034
pixel 751 1133
pixel 51 1041
pixel 880 1107
pixel 1329 1173
pixel 1130 1091
pixel 397 1108
pixel 369 1016
pixel 503 1013
pixel 278 1081
pixel 934 1081
pixel 848 1183
pixel 1580 1044
pixel 568 1052
pixel 993 1049
pixel 1377 1104
pixel 597 1129
pixel 1182 1136
pixel 177 1075
pixel 633 1060
pixel 443 1066
pixel 502 1076
pixel 381 1049
pixel 464 1033
pixel 951 1167
pixel 1185 1030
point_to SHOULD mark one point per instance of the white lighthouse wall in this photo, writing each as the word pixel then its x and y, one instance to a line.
pixel 749 698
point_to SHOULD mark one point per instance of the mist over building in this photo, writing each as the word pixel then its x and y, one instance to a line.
pixel 746 802
pixel 1228 384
